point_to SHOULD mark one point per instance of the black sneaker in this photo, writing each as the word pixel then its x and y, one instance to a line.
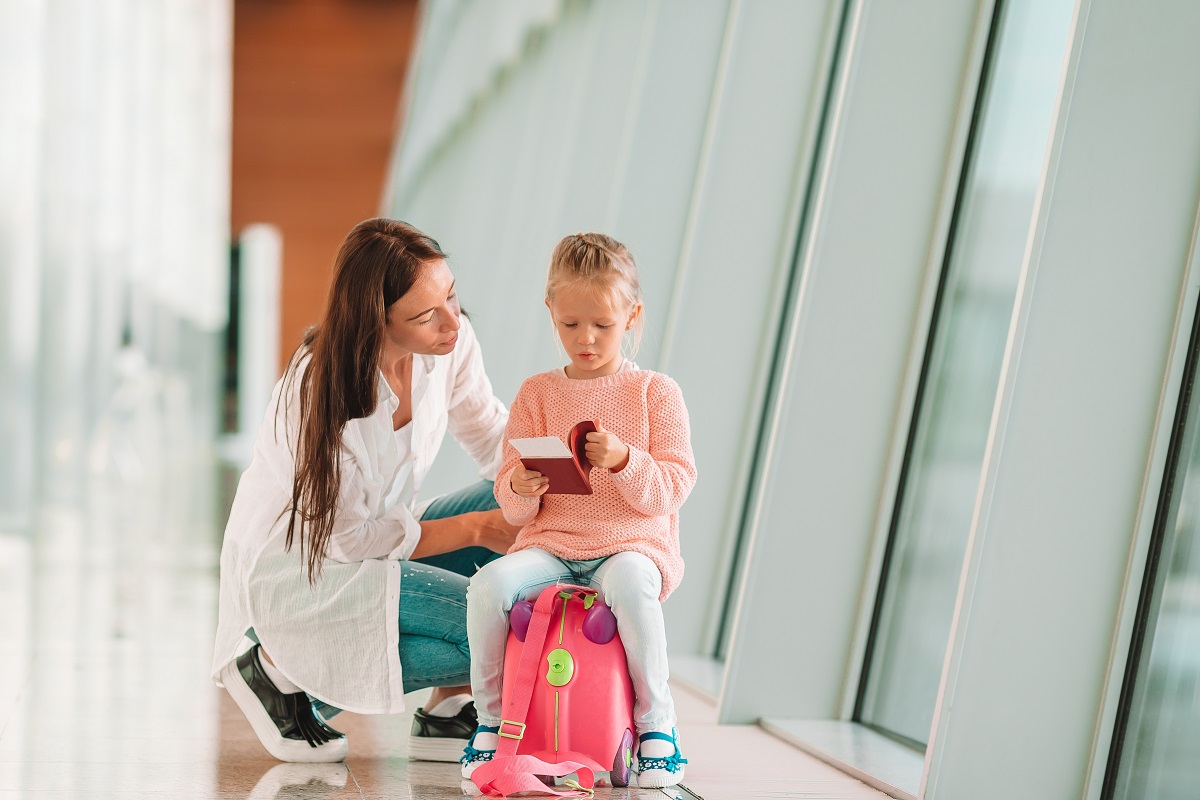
pixel 441 738
pixel 284 723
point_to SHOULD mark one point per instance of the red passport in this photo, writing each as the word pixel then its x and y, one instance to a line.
pixel 566 465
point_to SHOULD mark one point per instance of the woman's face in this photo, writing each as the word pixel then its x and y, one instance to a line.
pixel 425 320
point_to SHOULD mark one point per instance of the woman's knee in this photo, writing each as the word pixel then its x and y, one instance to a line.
pixel 433 662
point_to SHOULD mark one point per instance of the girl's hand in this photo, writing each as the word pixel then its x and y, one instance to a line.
pixel 528 483
pixel 605 450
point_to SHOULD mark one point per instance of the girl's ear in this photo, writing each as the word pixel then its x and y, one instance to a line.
pixel 633 315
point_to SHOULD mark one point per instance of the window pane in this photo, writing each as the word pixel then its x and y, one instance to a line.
pixel 993 222
pixel 1161 755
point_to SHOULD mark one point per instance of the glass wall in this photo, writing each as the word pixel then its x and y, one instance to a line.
pixel 1156 750
pixel 660 124
pixel 989 217
pixel 962 368
pixel 114 209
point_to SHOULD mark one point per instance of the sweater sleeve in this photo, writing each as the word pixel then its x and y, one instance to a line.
pixel 657 480
pixel 522 422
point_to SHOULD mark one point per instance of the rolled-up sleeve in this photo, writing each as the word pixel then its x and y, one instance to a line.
pixel 358 537
pixel 476 417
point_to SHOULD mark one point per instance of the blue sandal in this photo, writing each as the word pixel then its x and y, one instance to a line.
pixel 656 772
pixel 472 758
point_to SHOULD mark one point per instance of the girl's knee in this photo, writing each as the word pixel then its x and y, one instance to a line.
pixel 631 576
pixel 500 583
pixel 487 589
pixel 497 585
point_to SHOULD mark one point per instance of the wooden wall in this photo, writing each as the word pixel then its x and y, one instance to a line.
pixel 316 99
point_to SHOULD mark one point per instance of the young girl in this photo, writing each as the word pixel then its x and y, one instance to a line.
pixel 623 538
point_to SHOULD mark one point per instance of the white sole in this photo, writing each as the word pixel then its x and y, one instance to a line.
pixel 658 779
pixel 292 750
pixel 430 748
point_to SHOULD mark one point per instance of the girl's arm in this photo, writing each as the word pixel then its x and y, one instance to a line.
pixel 523 421
pixel 476 417
pixel 657 480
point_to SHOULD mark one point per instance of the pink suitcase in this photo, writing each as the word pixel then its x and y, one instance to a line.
pixel 580 708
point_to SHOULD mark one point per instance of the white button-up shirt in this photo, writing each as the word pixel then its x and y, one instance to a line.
pixel 338 640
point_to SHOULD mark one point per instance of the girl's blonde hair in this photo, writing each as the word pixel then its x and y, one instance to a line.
pixel 603 265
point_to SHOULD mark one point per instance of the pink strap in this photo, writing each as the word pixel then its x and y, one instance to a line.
pixel 505 776
pixel 516 705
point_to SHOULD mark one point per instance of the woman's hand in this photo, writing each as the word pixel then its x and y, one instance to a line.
pixel 474 528
pixel 527 482
pixel 605 450
pixel 494 532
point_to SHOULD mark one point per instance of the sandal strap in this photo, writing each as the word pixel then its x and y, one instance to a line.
pixel 471 755
pixel 482 729
pixel 668 763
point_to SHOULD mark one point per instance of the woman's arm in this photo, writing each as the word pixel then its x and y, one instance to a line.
pixel 475 416
pixel 356 536
pixel 397 534
pixel 657 480
pixel 472 529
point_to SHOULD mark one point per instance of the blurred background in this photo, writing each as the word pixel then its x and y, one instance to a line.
pixel 927 274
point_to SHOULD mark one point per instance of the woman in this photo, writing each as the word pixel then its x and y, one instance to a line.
pixel 352 592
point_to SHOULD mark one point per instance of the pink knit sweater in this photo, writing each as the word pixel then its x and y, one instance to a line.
pixel 635 509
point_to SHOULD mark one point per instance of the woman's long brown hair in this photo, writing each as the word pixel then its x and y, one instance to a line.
pixel 375 266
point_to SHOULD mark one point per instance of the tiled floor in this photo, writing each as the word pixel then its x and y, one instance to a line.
pixel 106 621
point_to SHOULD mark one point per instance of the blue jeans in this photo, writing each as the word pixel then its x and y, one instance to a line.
pixel 433 600
pixel 433 603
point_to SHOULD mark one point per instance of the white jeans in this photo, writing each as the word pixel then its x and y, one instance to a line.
pixel 628 582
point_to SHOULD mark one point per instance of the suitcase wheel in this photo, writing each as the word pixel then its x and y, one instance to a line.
pixel 623 761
